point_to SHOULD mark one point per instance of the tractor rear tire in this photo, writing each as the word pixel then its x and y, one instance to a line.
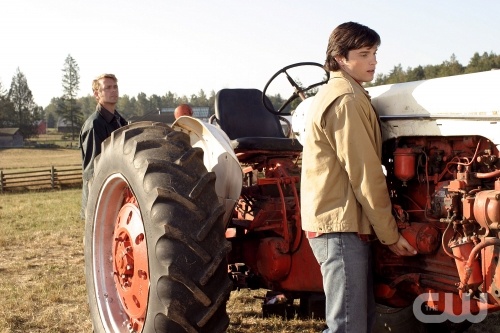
pixel 155 250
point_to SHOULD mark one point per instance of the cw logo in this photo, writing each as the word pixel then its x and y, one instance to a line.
pixel 448 309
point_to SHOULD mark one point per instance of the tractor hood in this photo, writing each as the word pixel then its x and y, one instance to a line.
pixel 466 104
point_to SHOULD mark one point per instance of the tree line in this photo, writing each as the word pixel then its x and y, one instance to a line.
pixel 18 109
pixel 478 63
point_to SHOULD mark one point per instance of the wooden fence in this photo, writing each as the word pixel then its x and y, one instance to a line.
pixel 55 177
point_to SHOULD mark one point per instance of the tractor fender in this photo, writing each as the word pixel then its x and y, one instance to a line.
pixel 218 157
pixel 299 119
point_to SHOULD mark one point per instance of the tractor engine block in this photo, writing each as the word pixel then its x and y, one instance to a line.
pixel 446 200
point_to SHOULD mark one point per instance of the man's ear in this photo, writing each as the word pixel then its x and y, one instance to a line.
pixel 340 60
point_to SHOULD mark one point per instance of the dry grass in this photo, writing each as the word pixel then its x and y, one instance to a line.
pixel 55 139
pixel 42 284
pixel 21 158
pixel 41 267
pixel 42 281
pixel 245 314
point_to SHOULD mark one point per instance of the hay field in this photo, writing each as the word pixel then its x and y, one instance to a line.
pixel 24 158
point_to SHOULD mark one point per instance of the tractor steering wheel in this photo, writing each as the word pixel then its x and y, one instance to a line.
pixel 298 91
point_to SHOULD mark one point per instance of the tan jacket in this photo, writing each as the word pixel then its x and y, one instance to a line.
pixel 343 187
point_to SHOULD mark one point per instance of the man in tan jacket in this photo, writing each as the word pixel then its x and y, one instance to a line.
pixel 344 195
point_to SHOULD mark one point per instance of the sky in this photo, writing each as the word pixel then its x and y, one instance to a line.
pixel 156 46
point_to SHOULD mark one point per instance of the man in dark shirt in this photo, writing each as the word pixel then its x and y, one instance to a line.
pixel 98 127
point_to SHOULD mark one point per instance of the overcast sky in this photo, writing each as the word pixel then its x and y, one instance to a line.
pixel 155 46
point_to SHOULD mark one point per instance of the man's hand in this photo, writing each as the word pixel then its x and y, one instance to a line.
pixel 402 247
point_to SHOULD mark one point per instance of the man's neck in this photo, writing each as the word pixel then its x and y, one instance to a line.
pixel 109 106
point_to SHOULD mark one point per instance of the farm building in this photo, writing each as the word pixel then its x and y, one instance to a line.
pixel 11 137
pixel 64 126
pixel 157 116
pixel 41 127
pixel 166 115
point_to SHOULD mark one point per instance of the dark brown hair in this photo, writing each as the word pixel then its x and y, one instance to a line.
pixel 346 37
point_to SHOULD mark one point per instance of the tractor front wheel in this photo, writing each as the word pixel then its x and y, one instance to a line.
pixel 155 251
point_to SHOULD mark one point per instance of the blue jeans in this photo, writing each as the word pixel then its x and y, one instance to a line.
pixel 346 267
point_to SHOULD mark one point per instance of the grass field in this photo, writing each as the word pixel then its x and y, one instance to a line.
pixel 55 139
pixel 42 281
pixel 25 158
pixel 42 284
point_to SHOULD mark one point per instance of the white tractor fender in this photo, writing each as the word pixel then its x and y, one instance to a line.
pixel 218 157
pixel 299 119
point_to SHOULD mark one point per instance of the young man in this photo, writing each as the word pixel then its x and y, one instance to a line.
pixel 343 189
pixel 98 127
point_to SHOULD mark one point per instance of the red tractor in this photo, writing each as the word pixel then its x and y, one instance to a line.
pixel 180 216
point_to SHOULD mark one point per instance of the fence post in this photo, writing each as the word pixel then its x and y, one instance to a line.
pixel 1 181
pixel 52 176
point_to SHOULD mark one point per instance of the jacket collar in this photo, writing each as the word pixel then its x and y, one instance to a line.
pixel 107 115
pixel 343 74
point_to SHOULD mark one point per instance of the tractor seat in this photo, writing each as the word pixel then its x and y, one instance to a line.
pixel 242 116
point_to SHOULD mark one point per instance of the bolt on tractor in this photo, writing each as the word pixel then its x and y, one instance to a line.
pixel 180 216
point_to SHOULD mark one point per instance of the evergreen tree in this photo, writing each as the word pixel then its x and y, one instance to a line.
pixel 169 100
pixel 182 100
pixel 484 62
pixel 143 105
pixel 7 114
pixel 396 75
pixel 415 74
pixel 431 71
pixel 24 106
pixel 154 103
pixel 379 80
pixel 451 67
pixel 87 105
pixel 199 100
pixel 51 120
pixel 70 109
pixel 126 107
